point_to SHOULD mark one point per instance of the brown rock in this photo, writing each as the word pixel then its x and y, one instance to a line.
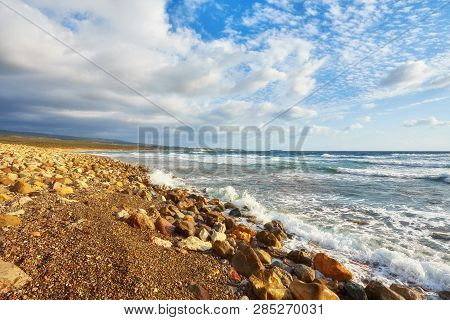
pixel 300 256
pixel 263 256
pixel 9 221
pixel 268 239
pixel 22 187
pixel 266 285
pixel 377 291
pixel 164 226
pixel 285 277
pixel 185 228
pixel 223 249
pixel 331 268
pixel 12 276
pixel 311 291
pixel 405 292
pixel 304 273
pixel 199 292
pixel 246 261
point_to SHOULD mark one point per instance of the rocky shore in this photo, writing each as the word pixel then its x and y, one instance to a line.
pixel 76 226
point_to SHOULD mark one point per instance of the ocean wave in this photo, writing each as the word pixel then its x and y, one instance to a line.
pixel 442 176
pixel 162 178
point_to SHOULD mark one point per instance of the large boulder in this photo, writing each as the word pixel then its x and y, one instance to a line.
pixel 377 291
pixel 268 239
pixel 185 228
pixel 311 291
pixel 164 226
pixel 285 277
pixel 246 261
pixel 266 285
pixel 406 292
pixel 352 291
pixel 11 276
pixel 141 221
pixel 195 244
pixel 242 232
pixel 304 273
pixel 331 268
pixel 300 256
pixel 263 256
pixel 223 249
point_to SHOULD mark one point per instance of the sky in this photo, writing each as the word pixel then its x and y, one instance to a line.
pixel 362 74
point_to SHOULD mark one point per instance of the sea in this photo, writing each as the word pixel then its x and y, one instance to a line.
pixel 385 215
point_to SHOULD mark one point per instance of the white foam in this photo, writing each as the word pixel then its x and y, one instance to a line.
pixel 431 174
pixel 162 178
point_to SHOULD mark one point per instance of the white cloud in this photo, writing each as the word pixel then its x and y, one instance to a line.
pixel 300 113
pixel 430 122
pixel 409 74
pixel 368 106
pixel 320 130
pixel 354 126
pixel 365 119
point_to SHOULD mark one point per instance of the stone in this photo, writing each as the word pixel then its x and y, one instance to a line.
pixel 229 205
pixel 122 215
pixel 220 227
pixel 300 256
pixel 353 291
pixel 331 268
pixel 185 228
pixel 199 292
pixel 444 295
pixel 285 277
pixel 9 221
pixel 311 291
pixel 268 239
pixel 16 213
pixel 195 244
pixel 236 212
pixel 203 234
pixel 11 276
pixel 263 256
pixel 164 227
pixel 377 291
pixel 61 189
pixel 141 221
pixel 4 197
pixel 223 249
pixel 24 200
pixel 304 273
pixel 6 181
pixel 234 275
pixel 161 242
pixel 242 232
pixel 406 292
pixel 266 285
pixel 22 187
pixel 217 236
pixel 279 253
pixel 230 223
pixel 246 261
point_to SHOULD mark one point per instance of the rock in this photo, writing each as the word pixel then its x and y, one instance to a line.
pixel 4 197
pixel 377 291
pixel 444 295
pixel 185 228
pixel 220 227
pixel 229 205
pixel 300 256
pixel 246 261
pixel 223 249
pixel 311 291
pixel 279 253
pixel 234 275
pixel 230 223
pixel 16 213
pixel 140 221
pixel 22 187
pixel 263 256
pixel 331 268
pixel 203 234
pixel 122 215
pixel 353 291
pixel 61 189
pixel 285 277
pixel 164 226
pixel 9 221
pixel 217 236
pixel 24 200
pixel 199 292
pixel 331 284
pixel 406 292
pixel 6 181
pixel 268 239
pixel 266 285
pixel 304 273
pixel 242 232
pixel 12 276
pixel 162 243
pixel 235 212
pixel 195 244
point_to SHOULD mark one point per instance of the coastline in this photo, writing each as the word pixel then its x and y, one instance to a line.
pixel 86 227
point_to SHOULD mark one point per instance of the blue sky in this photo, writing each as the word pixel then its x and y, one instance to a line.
pixel 369 74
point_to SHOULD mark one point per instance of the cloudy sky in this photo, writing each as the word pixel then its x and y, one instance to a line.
pixel 363 74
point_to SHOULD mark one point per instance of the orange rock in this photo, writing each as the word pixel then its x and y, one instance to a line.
pixel 22 187
pixel 331 268
pixel 311 291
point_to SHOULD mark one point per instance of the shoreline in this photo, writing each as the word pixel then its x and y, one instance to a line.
pixel 99 202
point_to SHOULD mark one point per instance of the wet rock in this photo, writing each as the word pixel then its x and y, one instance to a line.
pixel 266 285
pixel 217 236
pixel 331 268
pixel 11 276
pixel 263 256
pixel 9 221
pixel 268 239
pixel 236 212
pixel 285 276
pixel 353 291
pixel 444 295
pixel 377 291
pixel 311 291
pixel 246 261
pixel 229 205
pixel 140 221
pixel 164 226
pixel 22 187
pixel 223 249
pixel 304 273
pixel 300 256
pixel 195 244
pixel 406 292
pixel 185 228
